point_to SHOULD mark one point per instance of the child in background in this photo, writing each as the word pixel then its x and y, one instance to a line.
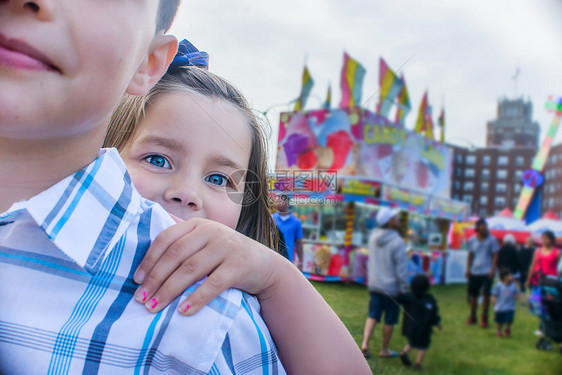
pixel 504 299
pixel 193 145
pixel 421 314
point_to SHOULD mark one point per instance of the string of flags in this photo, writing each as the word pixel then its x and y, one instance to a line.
pixel 393 93
pixel 307 83
pixel 351 82
pixel 390 87
pixel 403 103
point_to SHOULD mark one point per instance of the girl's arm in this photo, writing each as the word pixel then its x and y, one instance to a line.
pixel 531 269
pixel 309 336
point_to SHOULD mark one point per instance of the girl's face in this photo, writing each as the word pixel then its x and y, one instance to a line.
pixel 546 241
pixel 190 154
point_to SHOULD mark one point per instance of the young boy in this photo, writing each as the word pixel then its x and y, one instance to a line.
pixel 420 315
pixel 504 299
pixel 72 227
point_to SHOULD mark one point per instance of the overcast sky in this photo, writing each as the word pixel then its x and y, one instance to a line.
pixel 463 52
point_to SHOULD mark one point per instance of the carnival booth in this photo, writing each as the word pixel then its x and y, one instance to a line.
pixel 340 166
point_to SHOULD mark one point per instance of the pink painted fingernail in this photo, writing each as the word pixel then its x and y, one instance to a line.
pixel 186 307
pixel 141 295
pixel 154 303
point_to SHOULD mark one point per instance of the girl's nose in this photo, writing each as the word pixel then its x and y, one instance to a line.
pixel 185 194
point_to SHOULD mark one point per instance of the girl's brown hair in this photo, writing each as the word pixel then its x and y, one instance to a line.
pixel 255 219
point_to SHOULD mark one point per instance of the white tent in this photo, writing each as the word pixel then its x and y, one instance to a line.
pixel 548 222
pixel 505 221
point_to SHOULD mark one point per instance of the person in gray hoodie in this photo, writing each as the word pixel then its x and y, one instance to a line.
pixel 387 278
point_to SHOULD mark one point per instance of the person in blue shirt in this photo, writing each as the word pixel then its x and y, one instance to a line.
pixel 291 227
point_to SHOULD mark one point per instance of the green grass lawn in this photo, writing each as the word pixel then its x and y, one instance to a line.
pixel 457 349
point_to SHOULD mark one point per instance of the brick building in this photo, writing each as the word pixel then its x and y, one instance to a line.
pixel 552 189
pixel 489 178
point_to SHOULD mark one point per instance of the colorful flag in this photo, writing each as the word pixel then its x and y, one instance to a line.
pixel 404 106
pixel 351 82
pixel 441 121
pixel 424 123
pixel 390 86
pixel 307 83
pixel 328 102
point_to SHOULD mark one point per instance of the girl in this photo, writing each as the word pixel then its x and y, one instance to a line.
pixel 193 145
pixel 545 260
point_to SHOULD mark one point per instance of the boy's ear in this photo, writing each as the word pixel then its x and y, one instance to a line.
pixel 162 52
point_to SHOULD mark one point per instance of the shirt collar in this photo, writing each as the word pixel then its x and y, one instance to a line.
pixel 86 213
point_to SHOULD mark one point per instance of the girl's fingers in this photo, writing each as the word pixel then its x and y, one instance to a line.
pixel 178 257
pixel 162 242
pixel 218 281
pixel 205 262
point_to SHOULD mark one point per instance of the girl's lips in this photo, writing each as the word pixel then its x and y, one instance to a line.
pixel 19 55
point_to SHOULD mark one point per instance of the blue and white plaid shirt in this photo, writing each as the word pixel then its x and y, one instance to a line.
pixel 67 257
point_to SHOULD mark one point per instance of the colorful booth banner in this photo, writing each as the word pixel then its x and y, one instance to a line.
pixel 359 187
pixel 358 142
pixel 446 208
pixel 405 199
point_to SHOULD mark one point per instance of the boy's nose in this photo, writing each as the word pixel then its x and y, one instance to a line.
pixel 42 9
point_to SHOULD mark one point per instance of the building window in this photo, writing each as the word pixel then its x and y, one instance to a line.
pixel 483 213
pixel 486 160
pixel 457 185
pixel 517 188
pixel 518 175
pixel 503 160
pixel 515 201
pixel 458 158
pixel 501 188
pixel 502 174
pixel 470 159
pixel 519 161
pixel 455 197
pixel 458 172
pixel 483 201
pixel 500 202
pixel 467 199
pixel 485 174
pixel 484 186
pixel 468 186
pixel 469 173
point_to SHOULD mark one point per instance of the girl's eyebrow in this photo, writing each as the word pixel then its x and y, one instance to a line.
pixel 226 162
pixel 169 143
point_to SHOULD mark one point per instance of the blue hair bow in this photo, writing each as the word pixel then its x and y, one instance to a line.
pixel 189 55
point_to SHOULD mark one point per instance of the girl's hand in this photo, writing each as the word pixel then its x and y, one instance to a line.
pixel 190 250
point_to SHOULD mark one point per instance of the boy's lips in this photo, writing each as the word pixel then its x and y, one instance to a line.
pixel 20 55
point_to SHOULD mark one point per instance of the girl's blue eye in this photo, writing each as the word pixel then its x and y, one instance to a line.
pixel 217 179
pixel 158 161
